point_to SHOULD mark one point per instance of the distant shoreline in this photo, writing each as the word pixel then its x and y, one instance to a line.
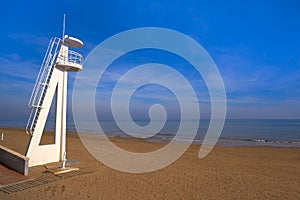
pixel 166 138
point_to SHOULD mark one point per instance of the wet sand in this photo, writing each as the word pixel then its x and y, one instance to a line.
pixel 226 173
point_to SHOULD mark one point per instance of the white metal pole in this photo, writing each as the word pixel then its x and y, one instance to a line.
pixel 64 27
pixel 64 114
pixel 64 160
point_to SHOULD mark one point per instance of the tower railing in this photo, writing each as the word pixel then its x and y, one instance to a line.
pixel 74 57
pixel 68 57
pixel 41 84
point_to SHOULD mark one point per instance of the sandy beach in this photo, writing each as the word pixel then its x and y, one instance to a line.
pixel 226 173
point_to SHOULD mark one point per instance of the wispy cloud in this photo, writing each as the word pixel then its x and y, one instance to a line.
pixel 250 80
pixel 13 65
pixel 39 42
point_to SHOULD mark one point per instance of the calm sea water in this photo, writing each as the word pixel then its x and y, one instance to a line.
pixel 275 132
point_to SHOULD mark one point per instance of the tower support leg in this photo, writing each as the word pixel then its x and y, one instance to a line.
pixel 42 154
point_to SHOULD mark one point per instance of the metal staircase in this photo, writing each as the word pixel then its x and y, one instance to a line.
pixel 42 83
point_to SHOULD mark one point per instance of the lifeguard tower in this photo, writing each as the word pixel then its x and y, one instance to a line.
pixel 51 80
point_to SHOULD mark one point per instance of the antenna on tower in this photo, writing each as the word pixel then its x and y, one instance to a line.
pixel 64 27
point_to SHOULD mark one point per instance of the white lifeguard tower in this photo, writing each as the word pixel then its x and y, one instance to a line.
pixel 52 78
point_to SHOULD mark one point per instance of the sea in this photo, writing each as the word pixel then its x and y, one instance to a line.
pixel 236 132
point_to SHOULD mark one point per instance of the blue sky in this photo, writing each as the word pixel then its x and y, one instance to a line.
pixel 255 45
